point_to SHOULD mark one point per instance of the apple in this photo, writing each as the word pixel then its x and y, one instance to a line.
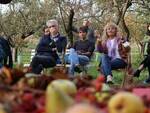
pixel 125 102
pixel 105 87
pixel 2 109
pixel 31 81
pixel 82 108
pixel 102 96
pixel 58 96
pixel 66 86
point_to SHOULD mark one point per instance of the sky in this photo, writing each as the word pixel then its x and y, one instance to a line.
pixel 3 7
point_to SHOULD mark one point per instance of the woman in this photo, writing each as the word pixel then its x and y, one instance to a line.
pixel 114 49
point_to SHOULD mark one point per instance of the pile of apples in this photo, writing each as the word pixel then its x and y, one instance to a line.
pixel 46 94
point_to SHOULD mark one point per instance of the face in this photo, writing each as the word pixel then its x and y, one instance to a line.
pixel 82 35
pixel 46 31
pixel 53 29
pixel 111 31
pixel 149 27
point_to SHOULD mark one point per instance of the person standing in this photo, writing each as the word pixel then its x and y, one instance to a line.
pixel 90 32
pixel 5 53
pixel 146 62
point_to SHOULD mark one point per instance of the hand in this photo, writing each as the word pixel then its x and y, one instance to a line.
pixel 54 49
pixel 99 41
pixel 79 52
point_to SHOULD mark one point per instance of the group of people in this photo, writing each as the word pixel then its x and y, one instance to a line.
pixel 114 48
pixel 52 46
pixel 112 44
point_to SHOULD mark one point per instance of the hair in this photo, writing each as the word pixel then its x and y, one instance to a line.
pixel 148 31
pixel 83 29
pixel 52 22
pixel 118 31
pixel 45 27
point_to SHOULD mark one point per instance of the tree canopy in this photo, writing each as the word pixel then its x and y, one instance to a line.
pixel 27 17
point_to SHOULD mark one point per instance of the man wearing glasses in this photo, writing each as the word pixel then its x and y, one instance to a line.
pixel 49 47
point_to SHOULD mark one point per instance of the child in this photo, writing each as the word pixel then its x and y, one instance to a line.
pixel 146 62
pixel 114 50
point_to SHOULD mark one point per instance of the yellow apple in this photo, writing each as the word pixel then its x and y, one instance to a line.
pixel 66 86
pixel 125 102
pixel 82 108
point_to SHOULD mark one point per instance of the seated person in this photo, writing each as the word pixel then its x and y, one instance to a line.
pixel 60 41
pixel 50 48
pixel 146 62
pixel 81 52
pixel 114 51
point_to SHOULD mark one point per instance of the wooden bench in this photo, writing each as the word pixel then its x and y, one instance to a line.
pixel 32 54
pixel 84 68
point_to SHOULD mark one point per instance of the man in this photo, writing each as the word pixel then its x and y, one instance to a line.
pixel 61 41
pixel 5 53
pixel 90 34
pixel 82 51
pixel 50 45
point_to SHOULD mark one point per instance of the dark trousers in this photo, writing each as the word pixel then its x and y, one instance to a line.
pixel 40 61
pixel 146 63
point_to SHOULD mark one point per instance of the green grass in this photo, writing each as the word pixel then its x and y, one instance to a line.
pixel 136 58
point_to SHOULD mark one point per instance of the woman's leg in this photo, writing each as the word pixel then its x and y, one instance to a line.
pixel 105 65
pixel 118 64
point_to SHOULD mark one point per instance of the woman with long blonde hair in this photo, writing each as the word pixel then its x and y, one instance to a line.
pixel 114 49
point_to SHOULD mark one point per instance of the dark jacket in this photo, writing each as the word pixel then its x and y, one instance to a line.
pixel 46 47
pixel 7 52
pixel 84 46
pixel 61 43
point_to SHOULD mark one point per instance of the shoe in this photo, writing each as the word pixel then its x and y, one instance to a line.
pixel 137 73
pixel 109 79
pixel 77 69
pixel 147 81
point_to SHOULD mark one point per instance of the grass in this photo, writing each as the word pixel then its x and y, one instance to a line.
pixel 136 58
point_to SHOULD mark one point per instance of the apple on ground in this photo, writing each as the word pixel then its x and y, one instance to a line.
pixel 125 102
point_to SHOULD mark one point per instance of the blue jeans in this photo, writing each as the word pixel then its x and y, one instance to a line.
pixel 74 59
pixel 107 65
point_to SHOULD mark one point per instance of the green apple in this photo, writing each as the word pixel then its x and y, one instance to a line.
pixel 105 87
pixel 66 86
pixel 125 102
pixel 82 108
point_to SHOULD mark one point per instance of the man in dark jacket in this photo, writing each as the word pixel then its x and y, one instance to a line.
pixel 61 41
pixel 51 45
pixel 5 53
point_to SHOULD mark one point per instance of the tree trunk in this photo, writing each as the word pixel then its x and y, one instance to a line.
pixel 15 54
pixel 69 27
